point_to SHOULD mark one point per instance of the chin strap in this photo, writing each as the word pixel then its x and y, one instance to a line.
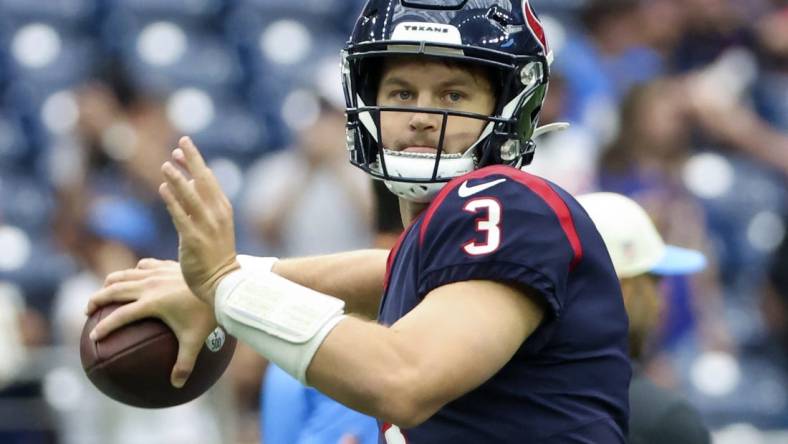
pixel 552 127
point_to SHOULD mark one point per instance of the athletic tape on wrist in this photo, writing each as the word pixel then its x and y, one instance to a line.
pixel 283 321
pixel 256 264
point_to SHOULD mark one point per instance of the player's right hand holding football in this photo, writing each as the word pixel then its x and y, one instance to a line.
pixel 156 289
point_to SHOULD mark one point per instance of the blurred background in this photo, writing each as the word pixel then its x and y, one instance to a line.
pixel 680 104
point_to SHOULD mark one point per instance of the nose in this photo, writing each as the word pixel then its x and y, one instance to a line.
pixel 424 122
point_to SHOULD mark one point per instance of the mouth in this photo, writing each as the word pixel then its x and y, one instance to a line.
pixel 419 149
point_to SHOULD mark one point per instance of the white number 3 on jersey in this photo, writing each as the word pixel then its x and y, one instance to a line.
pixel 490 225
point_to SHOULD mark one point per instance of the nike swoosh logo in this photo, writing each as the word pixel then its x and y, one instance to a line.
pixel 466 191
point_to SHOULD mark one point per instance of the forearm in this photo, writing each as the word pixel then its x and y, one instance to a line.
pixel 764 142
pixel 747 132
pixel 369 368
pixel 402 374
pixel 356 277
pixel 405 373
pixel 366 366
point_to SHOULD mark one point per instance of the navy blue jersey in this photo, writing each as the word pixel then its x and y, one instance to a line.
pixel 569 380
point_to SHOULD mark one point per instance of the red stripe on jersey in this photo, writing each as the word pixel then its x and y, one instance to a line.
pixel 436 203
pixel 559 207
pixel 534 24
pixel 392 254
pixel 535 184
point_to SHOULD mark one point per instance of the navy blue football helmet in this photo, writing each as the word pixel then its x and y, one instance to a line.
pixel 504 36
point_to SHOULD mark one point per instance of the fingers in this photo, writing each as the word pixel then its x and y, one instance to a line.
pixel 180 158
pixel 202 192
pixel 123 292
pixel 150 263
pixel 119 286
pixel 132 274
pixel 187 154
pixel 179 216
pixel 187 356
pixel 123 315
pixel 182 190
pixel 192 157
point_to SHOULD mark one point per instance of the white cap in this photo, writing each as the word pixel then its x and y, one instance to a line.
pixel 633 242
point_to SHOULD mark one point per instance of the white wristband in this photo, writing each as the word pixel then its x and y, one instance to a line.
pixel 281 320
pixel 256 264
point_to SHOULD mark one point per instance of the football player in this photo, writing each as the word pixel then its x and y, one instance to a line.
pixel 499 315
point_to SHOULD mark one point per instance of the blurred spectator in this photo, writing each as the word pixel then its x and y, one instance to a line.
pixel 25 417
pixel 20 394
pixel 771 90
pixel 569 157
pixel 774 308
pixel 126 131
pixel 288 194
pixel 601 64
pixel 311 183
pixel 294 414
pixel 663 24
pixel 244 377
pixel 646 161
pixel 653 140
pixel 716 102
pixel 12 348
pixel 641 259
pixel 112 234
pixel 717 126
pixel 388 222
pixel 109 215
pixel 711 27
pixel 121 137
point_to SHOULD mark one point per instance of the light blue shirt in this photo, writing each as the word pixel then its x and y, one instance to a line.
pixel 295 414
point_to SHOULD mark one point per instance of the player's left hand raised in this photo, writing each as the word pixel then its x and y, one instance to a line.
pixel 203 216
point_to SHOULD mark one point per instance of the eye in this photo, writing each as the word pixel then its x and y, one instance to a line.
pixel 403 95
pixel 454 96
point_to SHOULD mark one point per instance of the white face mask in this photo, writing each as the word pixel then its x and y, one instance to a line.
pixel 422 165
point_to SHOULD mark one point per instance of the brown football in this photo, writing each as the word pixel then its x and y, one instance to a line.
pixel 133 364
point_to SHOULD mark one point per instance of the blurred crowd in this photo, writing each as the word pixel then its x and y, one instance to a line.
pixel 679 104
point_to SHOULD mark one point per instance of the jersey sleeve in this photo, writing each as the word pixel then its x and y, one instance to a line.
pixel 518 230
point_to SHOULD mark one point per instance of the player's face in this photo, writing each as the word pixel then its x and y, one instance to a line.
pixel 425 83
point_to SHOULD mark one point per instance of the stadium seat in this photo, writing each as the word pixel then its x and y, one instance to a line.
pixel 194 11
pixel 42 112
pixel 72 14
pixel 26 202
pixel 280 43
pixel 163 55
pixel 41 274
pixel 332 11
pixel 220 125
pixel 15 149
pixel 743 216
pixel 206 63
pixel 42 55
